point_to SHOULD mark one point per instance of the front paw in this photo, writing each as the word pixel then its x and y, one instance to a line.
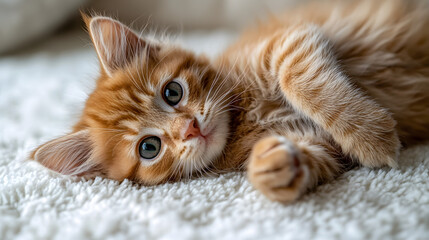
pixel 275 168
pixel 377 145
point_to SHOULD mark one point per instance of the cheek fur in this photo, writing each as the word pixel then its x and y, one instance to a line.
pixel 158 172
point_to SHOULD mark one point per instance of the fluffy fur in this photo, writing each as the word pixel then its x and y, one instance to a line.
pixel 296 101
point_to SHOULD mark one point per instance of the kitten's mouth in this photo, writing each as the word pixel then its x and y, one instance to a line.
pixel 207 134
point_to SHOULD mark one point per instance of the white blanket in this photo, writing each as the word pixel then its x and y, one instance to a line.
pixel 41 94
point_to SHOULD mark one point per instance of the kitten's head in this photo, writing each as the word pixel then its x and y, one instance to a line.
pixel 158 112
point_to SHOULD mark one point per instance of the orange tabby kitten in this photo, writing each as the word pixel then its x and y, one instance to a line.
pixel 295 101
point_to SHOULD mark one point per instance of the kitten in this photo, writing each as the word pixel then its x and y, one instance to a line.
pixel 295 101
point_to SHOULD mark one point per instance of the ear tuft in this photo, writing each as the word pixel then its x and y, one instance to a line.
pixel 86 18
pixel 69 155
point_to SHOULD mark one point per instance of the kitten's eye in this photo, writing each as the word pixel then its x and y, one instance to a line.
pixel 173 93
pixel 150 147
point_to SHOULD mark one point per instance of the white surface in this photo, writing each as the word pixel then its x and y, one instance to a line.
pixel 41 92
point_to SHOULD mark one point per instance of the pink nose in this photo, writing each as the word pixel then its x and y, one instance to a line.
pixel 192 131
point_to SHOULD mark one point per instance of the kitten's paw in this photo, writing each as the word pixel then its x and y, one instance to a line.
pixel 377 148
pixel 276 170
pixel 381 157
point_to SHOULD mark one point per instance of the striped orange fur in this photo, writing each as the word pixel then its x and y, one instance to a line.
pixel 295 101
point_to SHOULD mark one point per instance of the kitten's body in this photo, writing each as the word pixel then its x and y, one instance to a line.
pixel 299 98
pixel 382 47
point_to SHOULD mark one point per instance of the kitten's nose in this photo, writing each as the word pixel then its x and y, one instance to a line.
pixel 192 131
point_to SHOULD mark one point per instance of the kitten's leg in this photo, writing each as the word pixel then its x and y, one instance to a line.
pixel 312 81
pixel 283 168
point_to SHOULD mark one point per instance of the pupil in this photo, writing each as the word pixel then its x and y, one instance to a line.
pixel 172 93
pixel 149 147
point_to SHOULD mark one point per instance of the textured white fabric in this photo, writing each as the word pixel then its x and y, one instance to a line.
pixel 41 92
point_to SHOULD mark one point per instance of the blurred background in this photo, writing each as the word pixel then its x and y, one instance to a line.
pixel 23 22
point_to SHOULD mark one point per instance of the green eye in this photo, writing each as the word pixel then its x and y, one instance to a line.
pixel 173 93
pixel 149 147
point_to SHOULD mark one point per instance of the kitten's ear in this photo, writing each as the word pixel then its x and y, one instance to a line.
pixel 69 155
pixel 115 43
